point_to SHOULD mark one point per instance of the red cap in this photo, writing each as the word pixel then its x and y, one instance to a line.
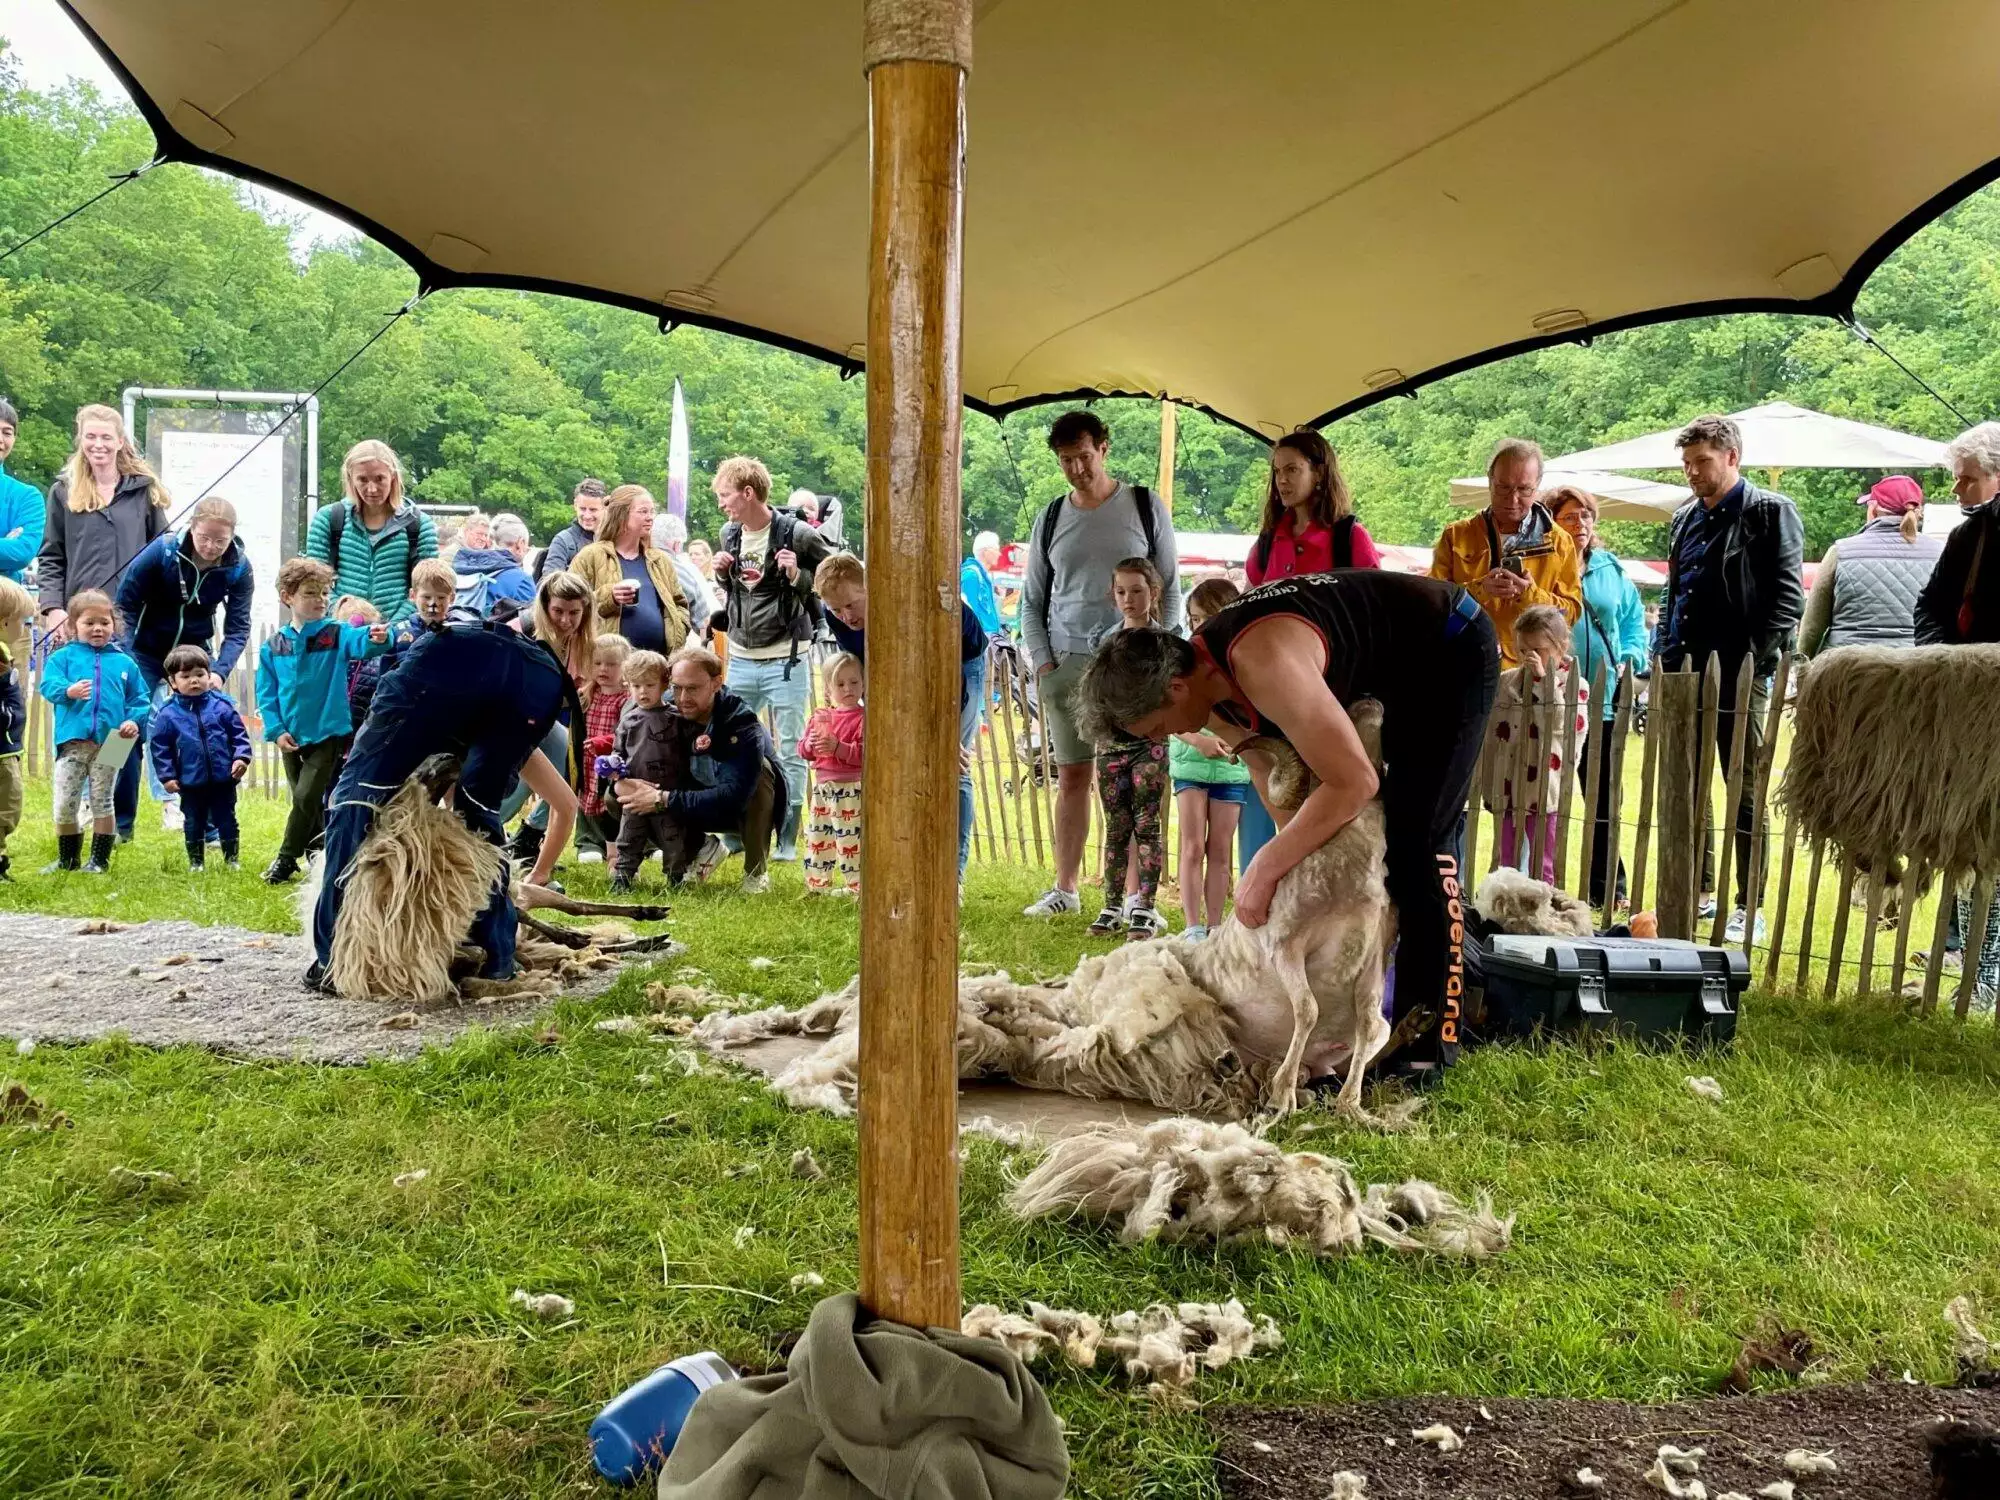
pixel 1894 495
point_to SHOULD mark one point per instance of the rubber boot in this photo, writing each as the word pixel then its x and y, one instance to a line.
pixel 5 865
pixel 101 845
pixel 229 854
pixel 197 849
pixel 526 845
pixel 69 854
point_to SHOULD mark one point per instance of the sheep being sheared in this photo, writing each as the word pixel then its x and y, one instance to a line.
pixel 1209 1027
pixel 1303 993
pixel 413 890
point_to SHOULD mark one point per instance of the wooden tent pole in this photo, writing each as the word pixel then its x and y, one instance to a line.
pixel 916 54
pixel 1169 426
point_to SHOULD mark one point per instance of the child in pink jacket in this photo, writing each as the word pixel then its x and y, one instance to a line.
pixel 831 745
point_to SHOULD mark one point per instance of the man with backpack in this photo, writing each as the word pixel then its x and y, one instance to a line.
pixel 764 568
pixel 491 576
pixel 1066 606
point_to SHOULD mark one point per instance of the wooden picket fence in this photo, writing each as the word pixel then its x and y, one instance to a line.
pixel 1662 789
pixel 266 775
pixel 1655 787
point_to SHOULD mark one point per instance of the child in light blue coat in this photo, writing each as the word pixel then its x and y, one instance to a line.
pixel 99 696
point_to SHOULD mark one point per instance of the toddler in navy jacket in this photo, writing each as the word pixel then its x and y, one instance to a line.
pixel 201 751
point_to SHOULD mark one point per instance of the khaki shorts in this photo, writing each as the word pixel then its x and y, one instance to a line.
pixel 1066 745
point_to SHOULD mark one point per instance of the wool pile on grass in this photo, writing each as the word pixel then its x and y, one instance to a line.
pixel 1129 1024
pixel 1191 1179
pixel 1896 754
pixel 1517 902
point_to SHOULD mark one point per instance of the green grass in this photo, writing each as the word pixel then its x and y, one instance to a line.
pixel 295 1325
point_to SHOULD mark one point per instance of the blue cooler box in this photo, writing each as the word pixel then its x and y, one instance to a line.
pixel 1653 990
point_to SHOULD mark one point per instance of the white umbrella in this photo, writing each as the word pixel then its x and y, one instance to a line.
pixel 1778 435
pixel 1619 496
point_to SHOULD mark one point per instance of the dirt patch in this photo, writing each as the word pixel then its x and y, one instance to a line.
pixel 174 983
pixel 1535 1447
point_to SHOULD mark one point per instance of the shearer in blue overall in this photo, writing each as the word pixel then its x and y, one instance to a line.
pixel 482 692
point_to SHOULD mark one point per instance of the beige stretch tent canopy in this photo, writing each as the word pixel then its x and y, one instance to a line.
pixel 1279 210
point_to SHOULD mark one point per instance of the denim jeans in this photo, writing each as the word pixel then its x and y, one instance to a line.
pixel 971 713
pixel 555 745
pixel 763 684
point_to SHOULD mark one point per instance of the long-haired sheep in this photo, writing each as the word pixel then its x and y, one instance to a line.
pixel 413 889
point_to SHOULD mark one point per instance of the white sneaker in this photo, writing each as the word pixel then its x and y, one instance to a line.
pixel 1705 911
pixel 1195 933
pixel 708 860
pixel 756 885
pixel 590 857
pixel 1054 902
pixel 172 820
pixel 1733 932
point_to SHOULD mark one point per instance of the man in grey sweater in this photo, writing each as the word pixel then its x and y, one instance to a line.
pixel 1066 605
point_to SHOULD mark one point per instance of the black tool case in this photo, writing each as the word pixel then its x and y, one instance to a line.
pixel 1653 990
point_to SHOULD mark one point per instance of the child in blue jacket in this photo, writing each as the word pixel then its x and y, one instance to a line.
pixel 202 750
pixel 98 695
pixel 302 694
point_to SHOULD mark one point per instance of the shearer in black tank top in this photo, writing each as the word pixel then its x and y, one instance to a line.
pixel 1285 659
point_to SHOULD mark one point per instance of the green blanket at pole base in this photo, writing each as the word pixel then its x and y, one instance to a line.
pixel 873 1408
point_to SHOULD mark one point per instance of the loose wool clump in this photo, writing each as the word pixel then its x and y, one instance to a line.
pixel 1896 754
pixel 1162 1347
pixel 1190 1179
pixel 1516 902
pixel 413 888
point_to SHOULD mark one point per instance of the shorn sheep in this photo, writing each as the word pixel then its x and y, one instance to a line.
pixel 1215 1027
pixel 414 888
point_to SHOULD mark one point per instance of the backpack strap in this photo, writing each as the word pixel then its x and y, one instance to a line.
pixel 1046 536
pixel 1264 544
pixel 336 523
pixel 1343 542
pixel 1492 537
pixel 1143 498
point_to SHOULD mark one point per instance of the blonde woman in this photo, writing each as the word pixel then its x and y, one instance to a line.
pixel 374 537
pixel 103 509
pixel 638 593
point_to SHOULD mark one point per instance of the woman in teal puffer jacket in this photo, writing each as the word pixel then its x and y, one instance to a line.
pixel 375 536
pixel 1608 635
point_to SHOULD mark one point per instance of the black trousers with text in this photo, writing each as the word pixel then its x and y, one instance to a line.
pixel 1430 746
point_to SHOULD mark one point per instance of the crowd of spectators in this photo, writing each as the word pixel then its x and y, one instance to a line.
pixel 690 659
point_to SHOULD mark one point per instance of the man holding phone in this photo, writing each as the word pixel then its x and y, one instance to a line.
pixel 1512 555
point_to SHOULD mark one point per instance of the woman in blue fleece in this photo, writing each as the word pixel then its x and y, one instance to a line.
pixel 169 597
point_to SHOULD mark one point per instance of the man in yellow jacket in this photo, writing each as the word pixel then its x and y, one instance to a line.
pixel 1512 554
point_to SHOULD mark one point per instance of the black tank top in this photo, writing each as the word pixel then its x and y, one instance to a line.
pixel 1381 631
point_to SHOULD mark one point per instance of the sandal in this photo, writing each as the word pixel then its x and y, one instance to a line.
pixel 1108 921
pixel 1144 923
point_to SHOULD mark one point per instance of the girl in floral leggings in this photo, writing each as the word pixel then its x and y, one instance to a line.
pixel 1132 784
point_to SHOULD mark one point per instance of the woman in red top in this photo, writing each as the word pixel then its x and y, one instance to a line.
pixel 1309 524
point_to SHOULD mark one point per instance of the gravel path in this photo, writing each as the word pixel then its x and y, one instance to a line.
pixel 234 991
